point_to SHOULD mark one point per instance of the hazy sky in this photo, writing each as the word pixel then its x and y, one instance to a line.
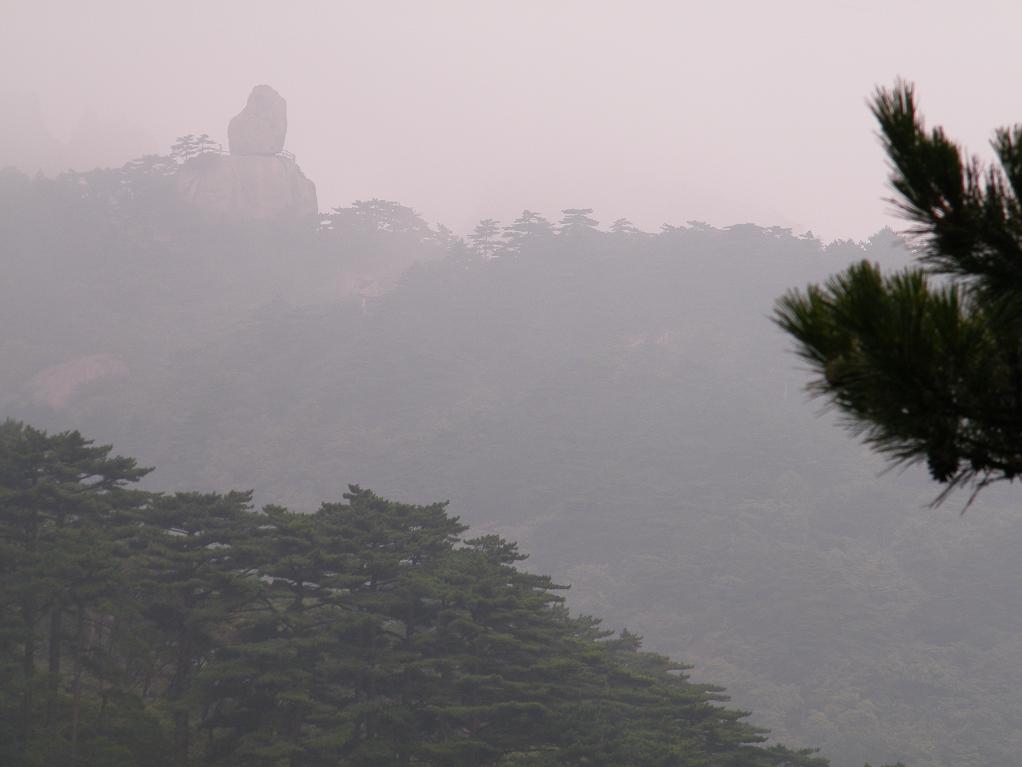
pixel 658 111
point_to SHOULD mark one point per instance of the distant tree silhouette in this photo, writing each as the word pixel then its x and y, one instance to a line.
pixel 486 238
pixel 150 165
pixel 185 148
pixel 380 216
pixel 526 228
pixel 624 226
pixel 204 144
pixel 577 221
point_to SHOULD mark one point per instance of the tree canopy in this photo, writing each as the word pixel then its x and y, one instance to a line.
pixel 926 363
pixel 366 633
pixel 651 452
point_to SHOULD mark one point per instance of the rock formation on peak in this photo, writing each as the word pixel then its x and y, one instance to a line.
pixel 259 128
pixel 257 180
pixel 248 187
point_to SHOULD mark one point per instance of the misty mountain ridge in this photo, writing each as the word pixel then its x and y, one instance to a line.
pixel 615 400
pixel 95 141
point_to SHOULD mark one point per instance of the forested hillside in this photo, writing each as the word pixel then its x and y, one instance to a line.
pixel 189 629
pixel 616 401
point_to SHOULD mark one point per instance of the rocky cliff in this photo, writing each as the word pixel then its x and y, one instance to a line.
pixel 257 180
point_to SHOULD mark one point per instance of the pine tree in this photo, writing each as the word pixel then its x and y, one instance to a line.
pixel 526 230
pixel 367 633
pixel 204 144
pixel 63 507
pixel 185 148
pixel 486 238
pixel 506 657
pixel 624 226
pixel 190 581
pixel 577 222
pixel 380 216
pixel 926 363
pixel 256 686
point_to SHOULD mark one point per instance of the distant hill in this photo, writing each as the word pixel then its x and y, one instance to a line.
pixel 619 403
pixel 96 141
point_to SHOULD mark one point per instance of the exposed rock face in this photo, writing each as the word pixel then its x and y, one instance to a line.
pixel 254 181
pixel 260 128
pixel 248 186
pixel 56 386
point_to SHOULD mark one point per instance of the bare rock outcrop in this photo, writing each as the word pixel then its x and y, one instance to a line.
pixel 259 128
pixel 247 187
pixel 258 179
pixel 57 385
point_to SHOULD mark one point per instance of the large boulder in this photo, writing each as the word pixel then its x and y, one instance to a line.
pixel 247 187
pixel 255 181
pixel 259 128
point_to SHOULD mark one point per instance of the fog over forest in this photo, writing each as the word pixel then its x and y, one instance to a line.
pixel 431 384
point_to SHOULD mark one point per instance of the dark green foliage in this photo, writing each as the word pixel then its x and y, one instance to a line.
pixel 189 583
pixel 64 527
pixel 368 633
pixel 927 362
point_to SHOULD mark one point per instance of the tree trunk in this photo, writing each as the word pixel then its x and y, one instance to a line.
pixel 180 688
pixel 53 681
pixel 53 668
pixel 77 686
pixel 28 613
pixel 101 623
pixel 181 738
